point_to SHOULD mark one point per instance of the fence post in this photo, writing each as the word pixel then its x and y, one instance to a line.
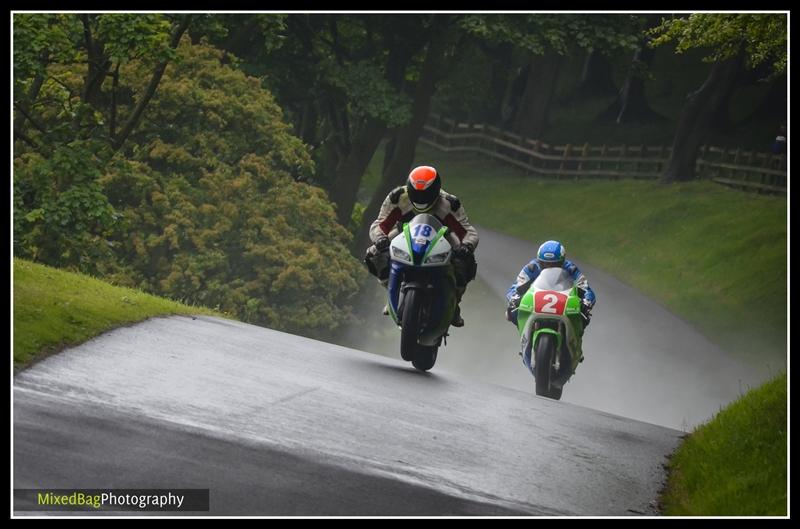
pixel 567 151
pixel 603 152
pixel 735 172
pixel 713 172
pixel 623 153
pixel 493 137
pixel 522 143
pixel 701 169
pixel 537 162
pixel 636 165
pixel 661 161
pixel 748 173
pixel 584 152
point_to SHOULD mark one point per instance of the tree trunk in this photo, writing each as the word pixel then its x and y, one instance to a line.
pixel 98 65
pixel 388 151
pixel 246 36
pixel 721 120
pixel 631 105
pixel 351 170
pixel 330 151
pixel 501 77
pixel 515 89
pixel 596 77
pixel 532 117
pixel 308 123
pixel 24 105
pixel 695 121
pixel 407 136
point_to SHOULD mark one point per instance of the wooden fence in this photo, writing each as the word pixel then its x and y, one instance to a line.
pixel 749 170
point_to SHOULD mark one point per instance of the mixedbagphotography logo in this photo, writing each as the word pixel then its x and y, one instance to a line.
pixel 111 500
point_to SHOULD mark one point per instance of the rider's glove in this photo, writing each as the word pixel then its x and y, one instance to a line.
pixel 511 310
pixel 586 311
pixel 382 243
pixel 464 250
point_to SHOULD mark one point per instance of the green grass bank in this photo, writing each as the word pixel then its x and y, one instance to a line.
pixel 712 255
pixel 54 309
pixel 734 465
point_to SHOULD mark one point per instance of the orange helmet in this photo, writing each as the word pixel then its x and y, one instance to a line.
pixel 423 186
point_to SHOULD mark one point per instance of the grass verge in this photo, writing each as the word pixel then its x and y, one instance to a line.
pixel 54 309
pixel 734 465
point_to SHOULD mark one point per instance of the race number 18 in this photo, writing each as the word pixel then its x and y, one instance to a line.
pixel 424 230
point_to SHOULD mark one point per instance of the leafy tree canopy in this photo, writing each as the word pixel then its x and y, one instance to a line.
pixel 762 37
pixel 539 33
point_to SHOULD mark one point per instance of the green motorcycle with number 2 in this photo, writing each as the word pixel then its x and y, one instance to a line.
pixel 551 329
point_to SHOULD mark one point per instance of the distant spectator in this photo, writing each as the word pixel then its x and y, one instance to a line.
pixel 779 146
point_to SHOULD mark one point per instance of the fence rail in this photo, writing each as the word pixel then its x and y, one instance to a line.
pixel 753 171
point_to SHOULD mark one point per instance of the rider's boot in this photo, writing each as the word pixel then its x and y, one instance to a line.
pixel 385 284
pixel 458 321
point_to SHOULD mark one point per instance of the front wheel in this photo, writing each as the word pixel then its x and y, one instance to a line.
pixel 425 357
pixel 410 325
pixel 545 366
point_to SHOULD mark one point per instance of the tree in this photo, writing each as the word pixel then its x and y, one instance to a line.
pixel 68 124
pixel 218 209
pixel 47 46
pixel 205 201
pixel 341 79
pixel 596 76
pixel 406 137
pixel 478 87
pixel 546 39
pixel 631 104
pixel 735 42
pixel 39 40
pixel 402 147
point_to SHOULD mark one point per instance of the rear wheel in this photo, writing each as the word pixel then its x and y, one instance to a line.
pixel 545 366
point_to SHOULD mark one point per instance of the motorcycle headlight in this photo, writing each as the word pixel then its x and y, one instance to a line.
pixel 402 255
pixel 437 258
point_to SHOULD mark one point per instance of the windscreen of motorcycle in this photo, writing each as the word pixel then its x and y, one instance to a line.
pixel 553 279
pixel 422 230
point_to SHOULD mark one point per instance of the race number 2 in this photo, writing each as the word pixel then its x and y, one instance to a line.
pixel 549 302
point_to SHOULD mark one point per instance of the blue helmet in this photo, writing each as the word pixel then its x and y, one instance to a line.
pixel 551 253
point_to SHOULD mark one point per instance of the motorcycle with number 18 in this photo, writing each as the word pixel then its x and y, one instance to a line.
pixel 422 289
